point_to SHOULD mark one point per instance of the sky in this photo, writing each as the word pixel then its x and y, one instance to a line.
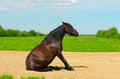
pixel 86 16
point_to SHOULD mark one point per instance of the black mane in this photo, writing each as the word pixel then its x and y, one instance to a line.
pixel 55 35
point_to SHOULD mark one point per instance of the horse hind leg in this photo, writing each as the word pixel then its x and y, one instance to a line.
pixel 49 68
pixel 45 69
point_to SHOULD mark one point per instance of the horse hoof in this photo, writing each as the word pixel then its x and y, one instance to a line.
pixel 70 68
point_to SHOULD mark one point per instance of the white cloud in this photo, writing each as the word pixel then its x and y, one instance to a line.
pixel 59 4
pixel 62 3
pixel 45 4
pixel 99 4
pixel 3 9
pixel 74 1
pixel 35 4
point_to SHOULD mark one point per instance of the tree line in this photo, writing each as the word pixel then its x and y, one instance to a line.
pixel 110 33
pixel 18 33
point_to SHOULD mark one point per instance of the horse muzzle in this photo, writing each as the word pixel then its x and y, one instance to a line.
pixel 76 33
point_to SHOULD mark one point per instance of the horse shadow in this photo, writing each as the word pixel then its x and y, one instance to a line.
pixel 56 68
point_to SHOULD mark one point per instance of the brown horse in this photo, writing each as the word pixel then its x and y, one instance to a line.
pixel 42 55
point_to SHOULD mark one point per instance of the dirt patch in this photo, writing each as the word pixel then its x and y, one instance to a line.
pixel 86 65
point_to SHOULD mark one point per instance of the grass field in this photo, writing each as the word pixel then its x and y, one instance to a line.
pixel 6 76
pixel 73 44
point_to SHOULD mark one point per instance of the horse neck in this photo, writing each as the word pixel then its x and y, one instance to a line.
pixel 56 35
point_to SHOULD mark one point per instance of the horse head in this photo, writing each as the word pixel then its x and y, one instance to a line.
pixel 70 30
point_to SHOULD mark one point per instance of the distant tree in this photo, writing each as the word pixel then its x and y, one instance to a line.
pixel 2 32
pixel 1 28
pixel 32 33
pixel 39 34
pixel 110 33
pixel 100 33
pixel 16 33
pixel 24 33
pixel 13 33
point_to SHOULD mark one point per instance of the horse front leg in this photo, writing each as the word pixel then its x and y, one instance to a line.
pixel 67 66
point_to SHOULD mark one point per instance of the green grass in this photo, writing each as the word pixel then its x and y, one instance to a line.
pixel 33 77
pixel 19 43
pixel 6 76
pixel 91 44
pixel 73 44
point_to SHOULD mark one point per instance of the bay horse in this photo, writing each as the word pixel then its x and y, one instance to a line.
pixel 43 54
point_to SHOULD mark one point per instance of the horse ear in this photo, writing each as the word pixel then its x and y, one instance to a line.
pixel 64 23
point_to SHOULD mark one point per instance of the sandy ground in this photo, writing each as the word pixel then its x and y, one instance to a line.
pixel 87 65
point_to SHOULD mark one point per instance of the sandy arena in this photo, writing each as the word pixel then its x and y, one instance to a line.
pixel 86 65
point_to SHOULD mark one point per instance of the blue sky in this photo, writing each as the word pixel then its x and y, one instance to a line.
pixel 87 16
